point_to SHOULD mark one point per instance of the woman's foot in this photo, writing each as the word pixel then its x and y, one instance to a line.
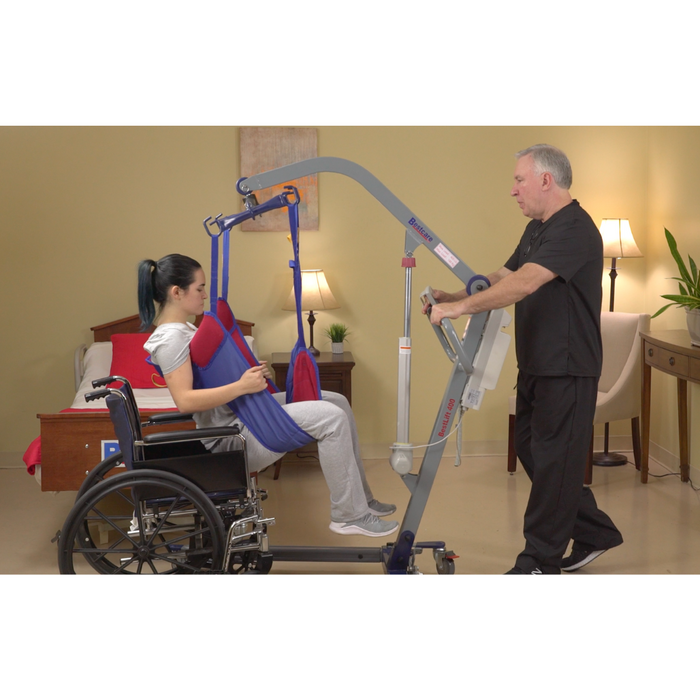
pixel 369 525
pixel 381 509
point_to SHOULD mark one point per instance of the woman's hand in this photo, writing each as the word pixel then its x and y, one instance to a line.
pixel 266 370
pixel 252 381
pixel 190 400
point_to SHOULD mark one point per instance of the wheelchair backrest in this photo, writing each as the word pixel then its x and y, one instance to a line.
pixel 126 427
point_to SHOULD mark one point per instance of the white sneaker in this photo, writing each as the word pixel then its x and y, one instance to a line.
pixel 381 509
pixel 369 525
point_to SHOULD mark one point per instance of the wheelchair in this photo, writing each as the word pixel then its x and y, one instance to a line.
pixel 180 509
pixel 177 509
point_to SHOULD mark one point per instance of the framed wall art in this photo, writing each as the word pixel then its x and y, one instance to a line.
pixel 266 148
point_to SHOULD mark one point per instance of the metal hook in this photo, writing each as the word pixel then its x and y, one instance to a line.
pixel 250 201
pixel 292 190
pixel 206 227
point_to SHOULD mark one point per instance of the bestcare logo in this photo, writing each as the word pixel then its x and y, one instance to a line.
pixel 419 229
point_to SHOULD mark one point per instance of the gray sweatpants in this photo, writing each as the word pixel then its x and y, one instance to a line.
pixel 332 423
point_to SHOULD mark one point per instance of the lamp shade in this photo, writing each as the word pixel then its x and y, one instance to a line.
pixel 315 293
pixel 618 241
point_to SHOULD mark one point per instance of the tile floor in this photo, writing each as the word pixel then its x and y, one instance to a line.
pixel 428 634
pixel 475 508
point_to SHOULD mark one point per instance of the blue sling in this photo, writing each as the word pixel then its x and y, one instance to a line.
pixel 220 355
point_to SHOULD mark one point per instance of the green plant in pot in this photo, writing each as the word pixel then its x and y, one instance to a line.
pixel 337 332
pixel 688 288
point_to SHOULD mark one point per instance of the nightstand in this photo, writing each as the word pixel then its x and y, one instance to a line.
pixel 335 373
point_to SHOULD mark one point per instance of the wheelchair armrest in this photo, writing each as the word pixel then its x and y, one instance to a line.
pixel 163 418
pixel 190 435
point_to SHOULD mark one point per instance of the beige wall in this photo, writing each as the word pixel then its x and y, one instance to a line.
pixel 674 164
pixel 81 206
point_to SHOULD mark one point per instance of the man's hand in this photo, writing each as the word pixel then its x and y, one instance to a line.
pixel 441 298
pixel 452 310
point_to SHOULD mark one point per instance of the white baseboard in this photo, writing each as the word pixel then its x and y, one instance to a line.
pixel 11 460
pixel 616 443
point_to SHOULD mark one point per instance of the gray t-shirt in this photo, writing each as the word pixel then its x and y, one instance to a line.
pixel 169 347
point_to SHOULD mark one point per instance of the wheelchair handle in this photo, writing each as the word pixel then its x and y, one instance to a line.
pixel 100 394
pixel 108 380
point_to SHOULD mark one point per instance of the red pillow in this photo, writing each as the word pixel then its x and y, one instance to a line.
pixel 129 361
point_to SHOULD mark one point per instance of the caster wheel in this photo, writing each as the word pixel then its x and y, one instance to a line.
pixel 444 562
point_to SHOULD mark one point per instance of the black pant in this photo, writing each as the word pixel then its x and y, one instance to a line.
pixel 553 428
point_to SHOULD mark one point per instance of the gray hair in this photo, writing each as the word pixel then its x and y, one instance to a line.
pixel 548 159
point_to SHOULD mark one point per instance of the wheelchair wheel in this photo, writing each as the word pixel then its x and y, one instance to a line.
pixel 175 529
pixel 96 475
pixel 251 562
pixel 99 473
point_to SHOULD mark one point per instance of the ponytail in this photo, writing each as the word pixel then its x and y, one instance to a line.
pixel 147 308
pixel 155 280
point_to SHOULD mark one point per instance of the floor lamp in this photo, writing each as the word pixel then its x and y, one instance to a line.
pixel 315 294
pixel 618 242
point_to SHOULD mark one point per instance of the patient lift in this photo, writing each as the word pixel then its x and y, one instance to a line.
pixel 477 361
pixel 187 539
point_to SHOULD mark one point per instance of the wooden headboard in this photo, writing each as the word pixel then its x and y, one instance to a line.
pixel 132 324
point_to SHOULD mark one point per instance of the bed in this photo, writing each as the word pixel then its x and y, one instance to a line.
pixel 73 441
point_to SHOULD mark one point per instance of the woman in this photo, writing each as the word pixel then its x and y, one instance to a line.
pixel 178 285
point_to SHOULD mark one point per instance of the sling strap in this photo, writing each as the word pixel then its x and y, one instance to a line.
pixel 303 381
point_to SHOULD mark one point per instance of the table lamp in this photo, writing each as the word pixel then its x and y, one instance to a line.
pixel 618 242
pixel 315 294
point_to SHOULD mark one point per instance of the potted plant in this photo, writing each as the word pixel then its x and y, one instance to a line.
pixel 689 290
pixel 337 332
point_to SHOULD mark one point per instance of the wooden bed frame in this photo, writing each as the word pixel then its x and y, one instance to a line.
pixel 71 442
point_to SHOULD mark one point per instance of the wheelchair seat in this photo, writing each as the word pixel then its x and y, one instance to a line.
pixel 177 508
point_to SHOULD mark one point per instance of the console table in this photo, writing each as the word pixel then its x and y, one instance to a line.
pixel 334 371
pixel 670 352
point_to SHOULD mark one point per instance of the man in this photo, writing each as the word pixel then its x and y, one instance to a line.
pixel 554 280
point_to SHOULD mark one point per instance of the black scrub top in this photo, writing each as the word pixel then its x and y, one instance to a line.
pixel 557 328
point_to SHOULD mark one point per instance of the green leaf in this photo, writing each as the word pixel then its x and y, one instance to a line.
pixel 688 282
pixel 694 270
pixel 682 299
pixel 682 269
pixel 662 309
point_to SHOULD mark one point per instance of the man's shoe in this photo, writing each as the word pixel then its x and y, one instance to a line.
pixel 381 509
pixel 518 570
pixel 369 525
pixel 579 558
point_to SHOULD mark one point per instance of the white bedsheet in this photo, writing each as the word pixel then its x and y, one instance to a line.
pixel 97 363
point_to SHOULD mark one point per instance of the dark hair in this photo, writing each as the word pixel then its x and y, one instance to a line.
pixel 156 279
